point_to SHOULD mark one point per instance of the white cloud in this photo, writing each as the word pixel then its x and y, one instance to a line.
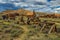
pixel 41 0
pixel 1 1
pixel 55 3
pixel 58 9
pixel 30 4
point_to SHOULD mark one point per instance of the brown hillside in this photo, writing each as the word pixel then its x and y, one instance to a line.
pixel 57 15
pixel 27 12
pixel 20 11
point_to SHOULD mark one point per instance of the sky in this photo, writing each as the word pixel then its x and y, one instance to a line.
pixel 37 5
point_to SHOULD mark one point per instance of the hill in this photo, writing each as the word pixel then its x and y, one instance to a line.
pixel 27 12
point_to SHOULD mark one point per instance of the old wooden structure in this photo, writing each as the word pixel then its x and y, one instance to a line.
pixel 49 27
pixel 33 19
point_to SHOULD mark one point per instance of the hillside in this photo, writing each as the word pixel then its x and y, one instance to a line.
pixel 27 12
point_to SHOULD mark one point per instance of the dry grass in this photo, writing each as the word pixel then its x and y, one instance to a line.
pixel 10 30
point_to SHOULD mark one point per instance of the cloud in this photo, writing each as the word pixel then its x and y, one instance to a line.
pixel 41 0
pixel 38 5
